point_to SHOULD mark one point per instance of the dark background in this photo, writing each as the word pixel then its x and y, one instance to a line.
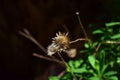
pixel 43 18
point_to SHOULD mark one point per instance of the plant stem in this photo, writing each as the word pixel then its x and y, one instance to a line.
pixel 27 35
pixel 112 42
pixel 61 74
pixel 80 39
pixel 67 66
pixel 47 58
pixel 98 47
pixel 81 25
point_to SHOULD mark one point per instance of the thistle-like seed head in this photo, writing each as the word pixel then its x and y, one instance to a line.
pixel 59 43
pixel 61 40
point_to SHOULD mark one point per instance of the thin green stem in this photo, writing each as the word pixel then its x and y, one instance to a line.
pixel 67 66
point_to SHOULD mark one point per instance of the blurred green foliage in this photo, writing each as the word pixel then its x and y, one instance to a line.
pixel 103 57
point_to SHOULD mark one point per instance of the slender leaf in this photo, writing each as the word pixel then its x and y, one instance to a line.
pixel 110 73
pixel 80 70
pixel 92 61
pixel 110 30
pixel 92 72
pixel 112 63
pixel 83 51
pixel 112 24
pixel 116 36
pixel 86 45
pixel 113 78
pixel 93 78
pixel 104 68
pixel 97 66
pixel 118 60
pixel 78 63
pixel 54 78
pixel 95 44
pixel 67 76
pixel 98 31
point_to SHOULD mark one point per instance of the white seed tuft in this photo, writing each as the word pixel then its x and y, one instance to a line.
pixel 52 49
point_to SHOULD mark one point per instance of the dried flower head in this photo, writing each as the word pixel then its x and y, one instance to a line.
pixel 61 40
pixel 59 43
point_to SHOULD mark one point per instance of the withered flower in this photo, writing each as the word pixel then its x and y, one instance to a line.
pixel 59 43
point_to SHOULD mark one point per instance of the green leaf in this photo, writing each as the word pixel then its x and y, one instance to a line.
pixel 92 72
pixel 110 30
pixel 67 76
pixel 95 44
pixel 78 63
pixel 97 66
pixel 54 78
pixel 113 78
pixel 80 70
pixel 92 60
pixel 116 36
pixel 71 64
pixel 112 63
pixel 112 24
pixel 93 78
pixel 102 54
pixel 102 38
pixel 118 60
pixel 98 31
pixel 110 73
pixel 86 45
pixel 104 67
pixel 83 51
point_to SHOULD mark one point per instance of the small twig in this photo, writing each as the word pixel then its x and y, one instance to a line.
pixel 98 47
pixel 81 25
pixel 112 42
pixel 108 42
pixel 81 78
pixel 61 74
pixel 27 35
pixel 26 31
pixel 80 39
pixel 47 58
